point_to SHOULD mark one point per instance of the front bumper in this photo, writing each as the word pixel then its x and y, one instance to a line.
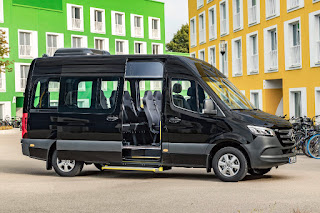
pixel 267 152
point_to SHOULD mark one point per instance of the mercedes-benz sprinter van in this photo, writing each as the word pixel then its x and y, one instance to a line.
pixel 146 113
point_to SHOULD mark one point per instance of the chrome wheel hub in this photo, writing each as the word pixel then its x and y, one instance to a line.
pixel 229 165
pixel 66 165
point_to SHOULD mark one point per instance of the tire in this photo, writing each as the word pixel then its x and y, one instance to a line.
pixel 259 171
pixel 66 168
pixel 313 146
pixel 99 166
pixel 230 164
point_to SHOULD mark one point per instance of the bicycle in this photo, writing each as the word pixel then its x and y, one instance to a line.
pixel 313 144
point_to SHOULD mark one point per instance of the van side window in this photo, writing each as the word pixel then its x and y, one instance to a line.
pixel 90 94
pixel 46 94
pixel 184 94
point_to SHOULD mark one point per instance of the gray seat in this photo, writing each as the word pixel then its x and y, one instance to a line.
pixel 130 112
pixel 153 115
pixel 178 99
pixel 157 96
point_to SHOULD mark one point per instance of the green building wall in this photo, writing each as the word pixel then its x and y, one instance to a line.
pixel 51 16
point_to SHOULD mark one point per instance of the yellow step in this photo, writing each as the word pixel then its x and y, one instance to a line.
pixel 125 168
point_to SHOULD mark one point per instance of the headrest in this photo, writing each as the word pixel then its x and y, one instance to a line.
pixel 191 92
pixel 148 95
pixel 157 95
pixel 177 88
pixel 113 93
pixel 126 95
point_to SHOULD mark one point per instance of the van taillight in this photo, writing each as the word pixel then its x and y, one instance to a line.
pixel 24 125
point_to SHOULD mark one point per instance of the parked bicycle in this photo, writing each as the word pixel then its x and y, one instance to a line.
pixel 313 144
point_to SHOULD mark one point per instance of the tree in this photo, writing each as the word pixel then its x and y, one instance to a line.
pixel 180 41
pixel 4 52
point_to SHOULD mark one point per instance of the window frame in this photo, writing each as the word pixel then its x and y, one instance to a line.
pixel 214 24
pixel 259 92
pixel 33 44
pixel 17 72
pixel 69 18
pixel 235 43
pixel 234 10
pixel 1 12
pixel 160 47
pixel 225 2
pixel 158 37
pixel 105 42
pixel 304 103
pixel 314 38
pixel 113 23
pixel 202 32
pixel 215 55
pixel 250 50
pixel 193 36
pixel 221 60
pixel 93 22
pixel 144 47
pixel 133 28
pixel 84 40
pixel 60 41
pixel 125 46
pixel 250 24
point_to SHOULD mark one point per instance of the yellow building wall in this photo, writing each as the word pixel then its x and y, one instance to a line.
pixel 304 77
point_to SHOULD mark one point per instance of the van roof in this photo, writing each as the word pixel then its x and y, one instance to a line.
pixel 49 65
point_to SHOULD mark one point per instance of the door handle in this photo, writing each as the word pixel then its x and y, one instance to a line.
pixel 112 118
pixel 174 120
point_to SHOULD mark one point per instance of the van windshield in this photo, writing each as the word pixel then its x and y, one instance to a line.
pixel 228 93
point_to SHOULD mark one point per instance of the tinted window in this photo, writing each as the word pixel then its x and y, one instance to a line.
pixel 144 70
pixel 46 94
pixel 98 94
pixel 146 85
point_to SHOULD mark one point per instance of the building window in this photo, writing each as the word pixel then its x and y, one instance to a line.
pixel 202 55
pixel 252 53
pixel 193 55
pixel 101 44
pixel 28 44
pixel 271 49
pixel 1 12
pixel 212 55
pixel 2 82
pixel 79 41
pixel 314 38
pixel 224 60
pixel 237 15
pixel 253 12
pixel 137 26
pixel 236 57
pixel 154 28
pixel 98 20
pixel 122 47
pixel 193 32
pixel 54 42
pixel 140 47
pixel 256 98
pixel 294 4
pixel 118 23
pixel 212 23
pixel 298 102
pixel 292 44
pixel 224 23
pixel 272 8
pixel 75 17
pixel 202 28
pixel 21 75
pixel 157 49
pixel 200 4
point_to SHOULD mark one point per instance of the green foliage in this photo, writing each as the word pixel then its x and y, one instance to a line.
pixel 4 52
pixel 180 41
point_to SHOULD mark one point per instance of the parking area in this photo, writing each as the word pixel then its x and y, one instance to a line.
pixel 25 186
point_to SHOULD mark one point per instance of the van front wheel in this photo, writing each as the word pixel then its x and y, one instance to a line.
pixel 230 164
pixel 66 168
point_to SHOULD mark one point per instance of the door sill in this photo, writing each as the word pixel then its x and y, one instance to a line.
pixel 142 147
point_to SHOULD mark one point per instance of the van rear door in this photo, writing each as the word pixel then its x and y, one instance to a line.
pixel 89 114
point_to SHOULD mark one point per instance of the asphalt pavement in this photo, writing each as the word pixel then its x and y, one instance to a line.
pixel 26 186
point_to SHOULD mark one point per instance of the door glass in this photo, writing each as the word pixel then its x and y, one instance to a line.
pixel 84 94
pixel 202 96
pixel 107 96
pixel 184 94
pixel 149 85
pixel 46 94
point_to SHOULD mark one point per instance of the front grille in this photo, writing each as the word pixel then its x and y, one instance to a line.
pixel 285 136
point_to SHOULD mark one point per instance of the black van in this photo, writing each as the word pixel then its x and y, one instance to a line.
pixel 146 113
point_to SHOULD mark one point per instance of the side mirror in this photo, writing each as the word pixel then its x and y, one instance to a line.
pixel 209 107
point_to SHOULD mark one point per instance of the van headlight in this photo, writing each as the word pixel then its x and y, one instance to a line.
pixel 261 131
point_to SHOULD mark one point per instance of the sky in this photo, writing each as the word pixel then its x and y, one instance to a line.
pixel 176 14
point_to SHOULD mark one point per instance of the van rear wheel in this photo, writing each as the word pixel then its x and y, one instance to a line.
pixel 230 164
pixel 66 168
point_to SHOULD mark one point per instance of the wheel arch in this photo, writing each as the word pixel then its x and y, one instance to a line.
pixel 222 144
pixel 49 155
